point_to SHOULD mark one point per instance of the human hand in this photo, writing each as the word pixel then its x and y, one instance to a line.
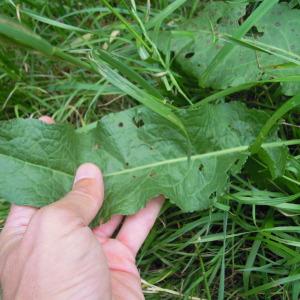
pixel 51 253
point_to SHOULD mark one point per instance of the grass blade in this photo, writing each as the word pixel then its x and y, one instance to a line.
pixel 250 262
pixel 129 72
pixel 275 283
pixel 221 289
pixel 244 86
pixel 164 13
pixel 291 57
pixel 286 107
pixel 52 22
pixel 13 31
pixel 127 25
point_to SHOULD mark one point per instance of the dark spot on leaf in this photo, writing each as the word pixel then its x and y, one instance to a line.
pixel 120 124
pixel 138 122
pixel 189 54
pixel 293 30
pixel 237 161
pixel 126 164
pixel 212 195
pixel 256 32
pixel 201 167
pixel 277 24
pixel 240 21
pixel 219 20
pixel 152 174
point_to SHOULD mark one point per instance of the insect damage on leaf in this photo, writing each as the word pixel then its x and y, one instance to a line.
pixel 37 161
pixel 196 42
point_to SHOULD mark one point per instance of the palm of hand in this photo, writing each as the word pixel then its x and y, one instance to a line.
pixel 72 261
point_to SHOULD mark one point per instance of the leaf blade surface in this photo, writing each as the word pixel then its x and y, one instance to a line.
pixel 140 153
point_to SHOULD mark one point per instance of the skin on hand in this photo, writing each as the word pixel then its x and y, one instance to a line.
pixel 51 253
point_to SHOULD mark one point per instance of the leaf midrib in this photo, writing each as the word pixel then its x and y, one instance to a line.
pixel 164 162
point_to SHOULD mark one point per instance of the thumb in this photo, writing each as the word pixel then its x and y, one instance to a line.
pixel 86 197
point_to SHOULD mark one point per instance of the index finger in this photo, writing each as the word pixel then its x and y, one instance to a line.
pixel 136 228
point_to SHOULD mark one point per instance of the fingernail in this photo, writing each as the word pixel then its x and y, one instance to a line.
pixel 88 171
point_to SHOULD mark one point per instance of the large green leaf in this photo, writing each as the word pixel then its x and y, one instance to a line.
pixel 141 154
pixel 197 42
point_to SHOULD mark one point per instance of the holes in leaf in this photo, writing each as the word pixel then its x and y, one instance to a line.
pixel 213 195
pixel 189 55
pixel 241 20
pixel 172 54
pixel 201 167
pixel 152 174
pixel 277 24
pixel 256 32
pixel 121 124
pixel 237 161
pixel 138 122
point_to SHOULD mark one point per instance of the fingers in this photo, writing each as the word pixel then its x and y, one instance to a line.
pixel 107 229
pixel 136 228
pixel 47 120
pixel 20 216
pixel 87 194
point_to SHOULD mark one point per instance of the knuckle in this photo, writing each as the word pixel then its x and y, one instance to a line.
pixel 83 194
pixel 52 215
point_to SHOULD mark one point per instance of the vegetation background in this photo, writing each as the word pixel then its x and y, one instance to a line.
pixel 238 249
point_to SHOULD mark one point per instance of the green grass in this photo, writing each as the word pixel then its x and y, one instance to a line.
pixel 239 249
